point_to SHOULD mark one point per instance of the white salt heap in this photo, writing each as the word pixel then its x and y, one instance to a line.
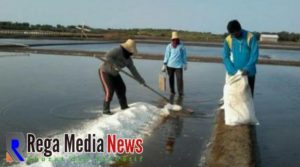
pixel 137 121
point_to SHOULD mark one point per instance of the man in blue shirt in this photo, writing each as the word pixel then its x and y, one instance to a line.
pixel 240 52
pixel 175 61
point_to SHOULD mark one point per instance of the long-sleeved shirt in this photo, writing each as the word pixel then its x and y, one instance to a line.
pixel 116 58
pixel 175 57
pixel 244 55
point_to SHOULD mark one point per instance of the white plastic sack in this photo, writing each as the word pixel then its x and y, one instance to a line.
pixel 238 102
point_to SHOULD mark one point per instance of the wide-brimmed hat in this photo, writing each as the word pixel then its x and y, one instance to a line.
pixel 130 46
pixel 175 35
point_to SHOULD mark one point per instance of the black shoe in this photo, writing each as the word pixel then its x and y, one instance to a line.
pixel 106 108
pixel 124 107
pixel 171 99
pixel 123 104
pixel 107 112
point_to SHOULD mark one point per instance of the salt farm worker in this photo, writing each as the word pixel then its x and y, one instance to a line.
pixel 175 61
pixel 110 78
pixel 240 52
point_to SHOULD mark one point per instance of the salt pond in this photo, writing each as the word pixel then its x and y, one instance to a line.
pixel 48 95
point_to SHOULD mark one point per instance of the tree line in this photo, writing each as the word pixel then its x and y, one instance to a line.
pixel 147 32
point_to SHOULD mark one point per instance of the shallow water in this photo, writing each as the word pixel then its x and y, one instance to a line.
pixel 277 102
pixel 47 94
pixel 191 50
pixel 156 48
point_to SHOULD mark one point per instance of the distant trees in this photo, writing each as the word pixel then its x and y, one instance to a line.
pixel 286 36
pixel 15 26
pixel 5 25
pixel 142 33
pixel 60 28
pixel 283 36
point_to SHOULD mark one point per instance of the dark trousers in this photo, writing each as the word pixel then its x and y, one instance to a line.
pixel 113 84
pixel 179 79
pixel 251 81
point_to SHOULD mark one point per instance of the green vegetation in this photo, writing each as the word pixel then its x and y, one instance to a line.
pixel 147 33
pixel 165 34
pixel 286 36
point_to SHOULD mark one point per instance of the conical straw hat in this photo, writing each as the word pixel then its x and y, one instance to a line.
pixel 130 46
pixel 174 35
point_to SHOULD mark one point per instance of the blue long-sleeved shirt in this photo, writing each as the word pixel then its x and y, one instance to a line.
pixel 175 57
pixel 245 55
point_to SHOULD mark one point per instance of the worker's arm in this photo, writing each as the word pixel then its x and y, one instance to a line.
pixel 167 55
pixel 253 54
pixel 184 56
pixel 231 70
pixel 134 72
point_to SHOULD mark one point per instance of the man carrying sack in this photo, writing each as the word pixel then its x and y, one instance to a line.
pixel 175 61
pixel 240 52
pixel 240 58
pixel 110 78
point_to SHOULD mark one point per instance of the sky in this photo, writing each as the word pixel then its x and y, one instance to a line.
pixel 192 15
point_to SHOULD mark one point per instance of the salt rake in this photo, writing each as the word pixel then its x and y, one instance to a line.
pixel 169 106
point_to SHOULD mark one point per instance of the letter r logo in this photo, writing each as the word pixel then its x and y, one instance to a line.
pixel 15 147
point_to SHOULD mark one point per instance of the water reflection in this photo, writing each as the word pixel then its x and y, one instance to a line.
pixel 172 126
pixel 173 130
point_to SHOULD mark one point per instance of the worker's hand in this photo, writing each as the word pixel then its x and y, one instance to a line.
pixel 116 68
pixel 164 68
pixel 141 81
pixel 244 72
pixel 143 84
pixel 185 67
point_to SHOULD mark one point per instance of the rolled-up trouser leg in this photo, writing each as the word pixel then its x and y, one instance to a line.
pixel 171 72
pixel 120 89
pixel 251 81
pixel 179 80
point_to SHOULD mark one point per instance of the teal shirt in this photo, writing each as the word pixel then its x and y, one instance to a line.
pixel 245 55
pixel 175 57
